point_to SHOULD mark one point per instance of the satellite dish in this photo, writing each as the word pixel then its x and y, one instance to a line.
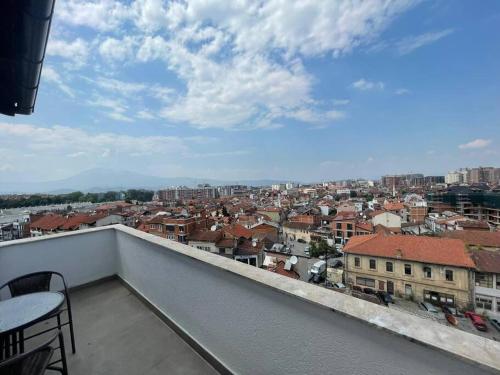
pixel 294 259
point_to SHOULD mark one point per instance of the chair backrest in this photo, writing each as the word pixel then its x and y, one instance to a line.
pixel 31 283
pixel 33 362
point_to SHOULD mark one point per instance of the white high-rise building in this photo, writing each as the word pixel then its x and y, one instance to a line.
pixel 453 178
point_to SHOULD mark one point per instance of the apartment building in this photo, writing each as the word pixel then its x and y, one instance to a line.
pixel 478 204
pixel 434 270
pixel 185 194
pixel 487 282
pixel 176 228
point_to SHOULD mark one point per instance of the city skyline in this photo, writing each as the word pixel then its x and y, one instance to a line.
pixel 201 90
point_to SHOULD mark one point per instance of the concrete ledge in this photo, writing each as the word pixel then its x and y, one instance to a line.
pixel 471 348
pixel 466 346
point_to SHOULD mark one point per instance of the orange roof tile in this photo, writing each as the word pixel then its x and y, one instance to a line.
pixel 414 248
pixel 475 237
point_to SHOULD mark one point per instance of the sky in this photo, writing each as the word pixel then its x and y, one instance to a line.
pixel 308 90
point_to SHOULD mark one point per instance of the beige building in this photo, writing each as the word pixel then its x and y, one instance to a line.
pixel 297 230
pixel 427 269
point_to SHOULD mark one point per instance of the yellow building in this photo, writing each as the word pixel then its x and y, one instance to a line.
pixel 427 269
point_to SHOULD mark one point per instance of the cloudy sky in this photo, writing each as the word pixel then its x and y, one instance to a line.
pixel 304 90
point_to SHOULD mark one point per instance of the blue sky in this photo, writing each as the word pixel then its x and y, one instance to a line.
pixel 303 90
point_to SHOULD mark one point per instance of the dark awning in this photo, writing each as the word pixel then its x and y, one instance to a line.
pixel 24 30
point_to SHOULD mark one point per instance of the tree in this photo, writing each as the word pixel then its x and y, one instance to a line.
pixel 224 211
pixel 321 248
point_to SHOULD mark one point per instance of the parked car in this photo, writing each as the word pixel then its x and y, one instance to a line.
pixel 495 323
pixel 385 297
pixel 368 291
pixel 318 278
pixel 357 288
pixel 451 310
pixel 339 286
pixel 318 267
pixel 306 251
pixel 476 320
pixel 426 306
pixel 337 263
pixel 301 240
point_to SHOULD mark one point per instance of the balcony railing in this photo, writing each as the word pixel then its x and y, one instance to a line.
pixel 248 320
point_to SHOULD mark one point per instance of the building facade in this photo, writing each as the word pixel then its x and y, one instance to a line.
pixel 422 269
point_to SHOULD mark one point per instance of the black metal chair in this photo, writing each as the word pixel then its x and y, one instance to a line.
pixel 36 361
pixel 40 282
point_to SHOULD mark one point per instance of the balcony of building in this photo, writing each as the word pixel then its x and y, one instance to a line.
pixel 144 304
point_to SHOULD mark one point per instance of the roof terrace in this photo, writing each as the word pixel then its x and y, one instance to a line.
pixel 144 304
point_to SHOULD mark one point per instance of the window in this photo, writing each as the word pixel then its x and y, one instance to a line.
pixel 498 283
pixel 407 269
pixel 365 282
pixel 427 272
pixel 373 264
pixel 339 225
pixel 349 226
pixel 484 279
pixel 389 266
pixel 357 262
pixel 449 275
pixel 349 234
pixel 483 302
pixel 339 234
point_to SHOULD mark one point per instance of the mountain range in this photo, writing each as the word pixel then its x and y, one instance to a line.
pixel 102 179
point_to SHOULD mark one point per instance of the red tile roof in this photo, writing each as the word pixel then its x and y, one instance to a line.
pixel 280 269
pixel 414 248
pixel 393 206
pixel 368 227
pixel 486 261
pixel 48 222
pixel 475 237
pixel 206 236
pixel 237 230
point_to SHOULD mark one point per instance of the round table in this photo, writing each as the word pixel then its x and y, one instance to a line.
pixel 20 312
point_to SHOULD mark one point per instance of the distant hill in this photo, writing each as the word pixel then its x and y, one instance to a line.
pixel 101 179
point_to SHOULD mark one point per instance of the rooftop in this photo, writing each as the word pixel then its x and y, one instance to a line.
pixel 443 251
pixel 116 333
pixel 239 318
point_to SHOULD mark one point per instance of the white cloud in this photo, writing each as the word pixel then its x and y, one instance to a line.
pixel 411 43
pixel 76 51
pixel 402 92
pixel 241 61
pixel 365 85
pixel 308 27
pixel 66 141
pixel 101 15
pixel 49 74
pixel 145 115
pixel 120 87
pixel 114 108
pixel 117 50
pixel 475 144
pixel 235 93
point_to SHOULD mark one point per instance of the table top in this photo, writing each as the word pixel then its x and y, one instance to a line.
pixel 19 312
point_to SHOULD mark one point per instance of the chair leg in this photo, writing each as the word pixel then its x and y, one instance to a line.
pixel 71 330
pixel 63 354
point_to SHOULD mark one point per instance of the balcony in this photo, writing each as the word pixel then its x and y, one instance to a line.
pixel 144 304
